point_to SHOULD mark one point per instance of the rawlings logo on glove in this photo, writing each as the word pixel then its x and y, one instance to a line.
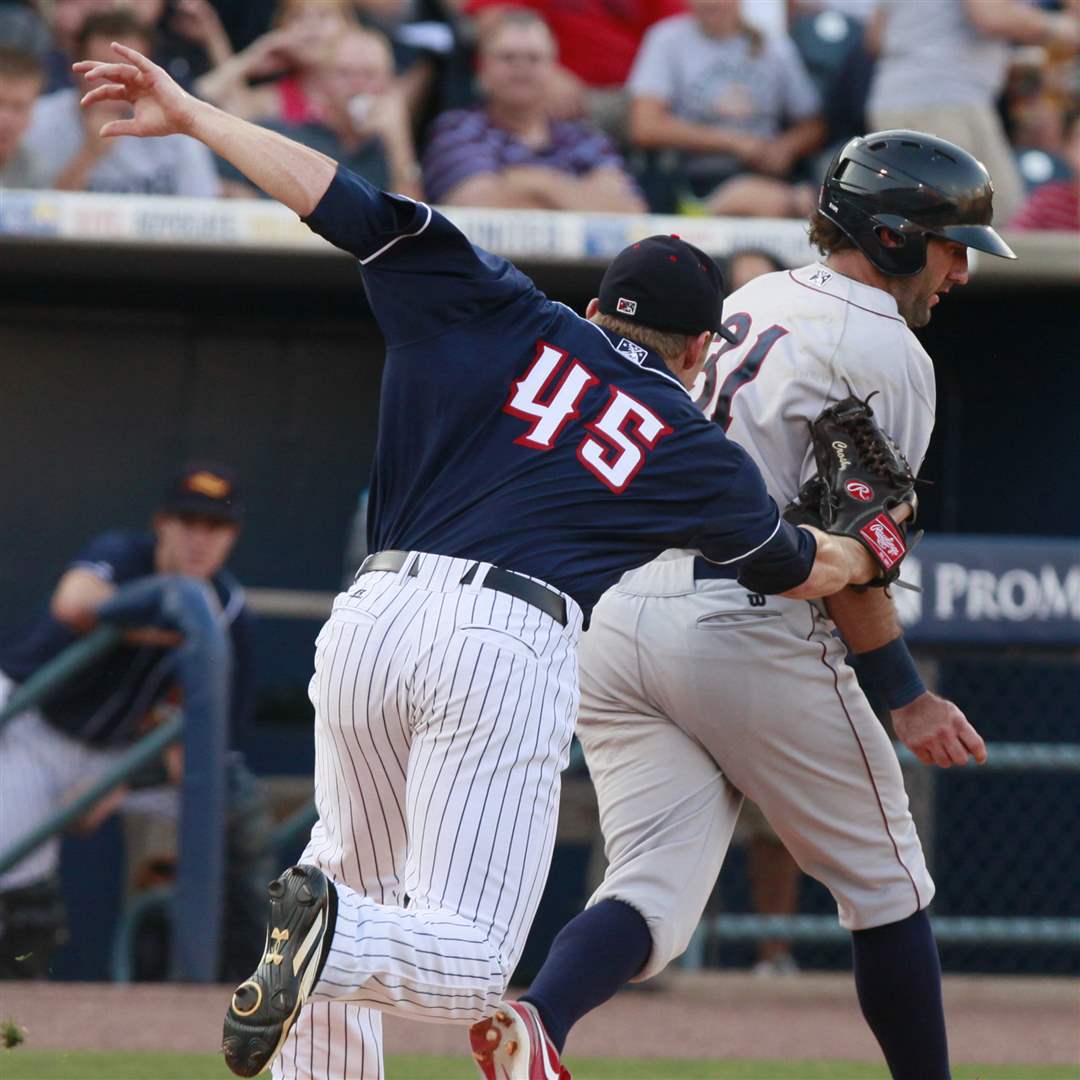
pixel 861 476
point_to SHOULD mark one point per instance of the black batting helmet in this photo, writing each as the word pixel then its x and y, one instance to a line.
pixel 915 185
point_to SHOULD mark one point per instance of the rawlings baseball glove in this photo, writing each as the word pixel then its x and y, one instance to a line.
pixel 861 475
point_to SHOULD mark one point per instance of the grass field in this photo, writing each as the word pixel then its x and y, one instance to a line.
pixel 22 1064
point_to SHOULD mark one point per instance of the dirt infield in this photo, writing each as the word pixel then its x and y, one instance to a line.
pixel 995 1021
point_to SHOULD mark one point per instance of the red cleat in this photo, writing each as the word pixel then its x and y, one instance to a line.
pixel 513 1045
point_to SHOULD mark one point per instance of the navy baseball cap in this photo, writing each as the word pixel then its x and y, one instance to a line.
pixel 667 284
pixel 204 488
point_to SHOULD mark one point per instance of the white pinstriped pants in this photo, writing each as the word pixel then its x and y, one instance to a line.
pixel 42 768
pixel 443 718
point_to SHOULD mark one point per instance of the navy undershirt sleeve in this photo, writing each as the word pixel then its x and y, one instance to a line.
pixel 781 564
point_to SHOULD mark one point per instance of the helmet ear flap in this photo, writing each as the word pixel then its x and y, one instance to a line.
pixel 889 238
pixel 899 244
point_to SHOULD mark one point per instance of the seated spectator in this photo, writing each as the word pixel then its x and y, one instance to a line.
pixel 47 752
pixel 716 90
pixel 597 43
pixel 1056 205
pixel 274 77
pixel 358 114
pixel 21 79
pixel 510 152
pixel 943 65
pixel 68 143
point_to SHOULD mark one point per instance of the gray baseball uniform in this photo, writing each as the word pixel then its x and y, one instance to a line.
pixel 695 692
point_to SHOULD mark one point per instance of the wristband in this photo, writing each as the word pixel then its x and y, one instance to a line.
pixel 891 671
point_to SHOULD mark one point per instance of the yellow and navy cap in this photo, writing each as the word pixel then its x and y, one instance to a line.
pixel 204 488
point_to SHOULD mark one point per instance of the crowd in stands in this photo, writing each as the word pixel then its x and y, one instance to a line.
pixel 675 106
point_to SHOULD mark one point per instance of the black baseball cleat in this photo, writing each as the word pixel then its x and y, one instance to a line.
pixel 303 908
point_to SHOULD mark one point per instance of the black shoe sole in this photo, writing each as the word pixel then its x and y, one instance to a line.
pixel 303 907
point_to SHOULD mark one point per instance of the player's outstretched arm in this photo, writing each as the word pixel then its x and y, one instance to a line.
pixel 79 595
pixel 839 562
pixel 294 175
pixel 807 563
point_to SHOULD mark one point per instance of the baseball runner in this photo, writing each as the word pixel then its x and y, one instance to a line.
pixel 696 690
pixel 526 458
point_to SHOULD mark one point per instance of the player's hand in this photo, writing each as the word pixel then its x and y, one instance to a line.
pixel 937 732
pixel 160 106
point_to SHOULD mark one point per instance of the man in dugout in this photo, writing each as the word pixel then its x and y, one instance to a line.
pixel 51 752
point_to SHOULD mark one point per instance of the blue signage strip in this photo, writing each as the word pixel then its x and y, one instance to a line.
pixel 992 590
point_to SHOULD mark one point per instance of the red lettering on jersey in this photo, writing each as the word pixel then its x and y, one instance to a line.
pixel 614 450
pixel 551 414
pixel 746 371
pixel 622 429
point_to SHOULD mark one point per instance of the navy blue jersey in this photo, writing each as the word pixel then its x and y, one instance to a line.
pixel 104 704
pixel 515 432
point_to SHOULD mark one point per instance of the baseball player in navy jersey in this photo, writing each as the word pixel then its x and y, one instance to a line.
pixel 697 691
pixel 526 458
pixel 48 751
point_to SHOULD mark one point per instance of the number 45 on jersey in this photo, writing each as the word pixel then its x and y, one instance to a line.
pixel 548 396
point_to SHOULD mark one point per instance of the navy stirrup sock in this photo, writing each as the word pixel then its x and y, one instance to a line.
pixel 592 957
pixel 898 980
